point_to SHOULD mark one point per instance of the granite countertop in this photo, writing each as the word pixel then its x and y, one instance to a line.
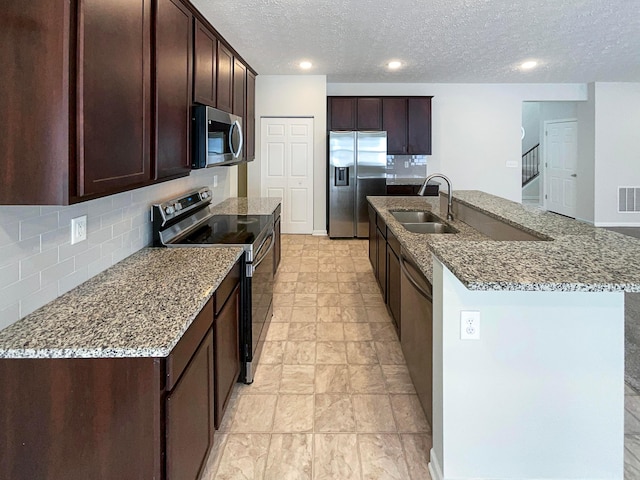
pixel 579 257
pixel 246 206
pixel 140 307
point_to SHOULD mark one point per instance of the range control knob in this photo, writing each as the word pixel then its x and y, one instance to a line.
pixel 177 206
pixel 204 195
pixel 169 210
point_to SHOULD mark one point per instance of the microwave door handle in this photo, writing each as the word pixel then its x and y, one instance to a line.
pixel 236 153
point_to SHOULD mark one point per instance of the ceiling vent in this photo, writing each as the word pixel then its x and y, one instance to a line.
pixel 628 199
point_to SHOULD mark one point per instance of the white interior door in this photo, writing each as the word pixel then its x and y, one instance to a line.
pixel 561 159
pixel 286 147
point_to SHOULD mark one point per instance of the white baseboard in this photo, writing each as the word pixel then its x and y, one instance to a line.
pixel 319 233
pixel 434 467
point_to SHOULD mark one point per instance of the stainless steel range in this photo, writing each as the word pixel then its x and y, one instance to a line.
pixel 187 221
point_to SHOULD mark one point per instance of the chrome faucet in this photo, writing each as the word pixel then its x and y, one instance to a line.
pixel 423 189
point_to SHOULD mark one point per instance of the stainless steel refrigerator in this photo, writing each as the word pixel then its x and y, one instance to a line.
pixel 357 168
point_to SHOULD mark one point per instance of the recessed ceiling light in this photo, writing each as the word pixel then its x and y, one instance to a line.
pixel 528 65
pixel 394 65
pixel 306 65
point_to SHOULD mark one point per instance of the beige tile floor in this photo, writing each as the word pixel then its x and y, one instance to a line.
pixel 332 398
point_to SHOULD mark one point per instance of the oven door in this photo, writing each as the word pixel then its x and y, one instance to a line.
pixel 261 291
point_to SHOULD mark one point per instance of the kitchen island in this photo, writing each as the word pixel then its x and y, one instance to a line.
pixel 541 393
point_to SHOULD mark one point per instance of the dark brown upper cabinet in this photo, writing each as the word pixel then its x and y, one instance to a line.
pixel 113 95
pixel 369 113
pixel 224 95
pixel 394 121
pixel 34 107
pixel 239 88
pixel 407 121
pixel 342 113
pixel 205 64
pixel 419 125
pixel 174 51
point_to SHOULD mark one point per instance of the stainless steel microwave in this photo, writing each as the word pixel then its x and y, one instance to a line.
pixel 217 138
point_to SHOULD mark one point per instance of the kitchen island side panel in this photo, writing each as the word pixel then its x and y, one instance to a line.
pixel 539 395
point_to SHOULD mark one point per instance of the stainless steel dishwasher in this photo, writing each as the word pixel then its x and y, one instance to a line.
pixel 416 311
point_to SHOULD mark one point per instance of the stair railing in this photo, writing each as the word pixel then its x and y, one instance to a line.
pixel 530 164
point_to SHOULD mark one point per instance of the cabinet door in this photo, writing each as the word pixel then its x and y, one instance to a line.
pixel 394 121
pixel 393 286
pixel 250 120
pixel 34 105
pixel 189 416
pixel 342 113
pixel 373 250
pixel 173 88
pixel 419 126
pixel 224 94
pixel 239 88
pixel 369 116
pixel 204 71
pixel 113 95
pixel 382 263
pixel 227 353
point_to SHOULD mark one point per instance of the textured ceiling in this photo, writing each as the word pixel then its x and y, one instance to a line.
pixel 438 41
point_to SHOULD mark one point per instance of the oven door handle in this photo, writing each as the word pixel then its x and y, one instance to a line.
pixel 258 261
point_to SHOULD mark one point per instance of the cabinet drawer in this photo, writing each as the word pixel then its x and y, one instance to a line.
pixel 226 287
pixel 393 242
pixel 381 225
pixel 181 354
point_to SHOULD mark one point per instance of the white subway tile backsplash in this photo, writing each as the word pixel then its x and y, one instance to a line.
pixel 38 262
pixel 9 315
pixel 66 250
pixel 19 290
pixel 9 274
pixel 58 271
pixel 83 259
pixel 72 281
pixel 9 231
pixel 35 270
pixel 38 225
pixel 14 252
pixel 34 301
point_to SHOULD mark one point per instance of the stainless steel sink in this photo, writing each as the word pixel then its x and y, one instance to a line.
pixel 404 216
pixel 429 227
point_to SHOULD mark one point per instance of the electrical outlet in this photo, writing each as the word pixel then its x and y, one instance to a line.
pixel 215 181
pixel 78 229
pixel 469 325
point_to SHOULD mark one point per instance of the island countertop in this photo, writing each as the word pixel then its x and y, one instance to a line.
pixel 140 307
pixel 578 256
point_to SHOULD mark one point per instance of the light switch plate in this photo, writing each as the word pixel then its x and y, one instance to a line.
pixel 469 325
pixel 78 229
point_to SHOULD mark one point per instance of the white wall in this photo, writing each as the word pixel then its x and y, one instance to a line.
pixel 37 261
pixel 531 125
pixel 476 128
pixel 295 96
pixel 617 149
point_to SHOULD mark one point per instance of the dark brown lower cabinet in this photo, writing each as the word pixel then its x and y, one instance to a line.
pixel 74 419
pixel 393 279
pixel 189 416
pixel 121 418
pixel 227 353
pixel 382 262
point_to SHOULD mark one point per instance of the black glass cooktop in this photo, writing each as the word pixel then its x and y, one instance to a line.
pixel 229 229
